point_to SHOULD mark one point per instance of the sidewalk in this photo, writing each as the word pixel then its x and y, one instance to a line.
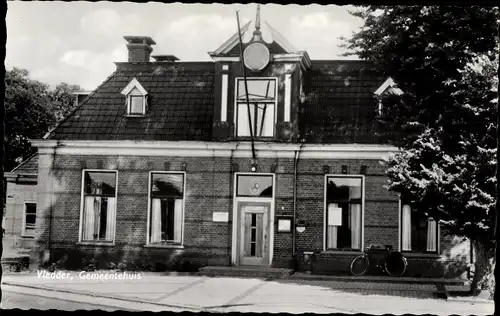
pixel 199 293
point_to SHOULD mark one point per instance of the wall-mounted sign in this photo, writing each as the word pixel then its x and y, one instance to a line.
pixel 334 215
pixel 284 225
pixel 220 216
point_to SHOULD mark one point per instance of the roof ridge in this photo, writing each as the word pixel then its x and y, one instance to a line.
pixel 47 135
pixel 24 162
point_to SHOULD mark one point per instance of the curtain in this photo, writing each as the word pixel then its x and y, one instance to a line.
pixel 332 236
pixel 355 226
pixel 110 219
pixel 177 220
pixel 88 219
pixel 406 228
pixel 97 216
pixel 156 220
pixel 431 235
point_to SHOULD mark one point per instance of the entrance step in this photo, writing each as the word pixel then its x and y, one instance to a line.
pixel 246 271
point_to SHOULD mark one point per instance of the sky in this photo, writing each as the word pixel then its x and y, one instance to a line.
pixel 78 42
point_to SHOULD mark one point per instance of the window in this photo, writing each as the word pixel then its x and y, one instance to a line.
pixel 262 100
pixel 343 212
pixel 166 214
pixel 136 98
pixel 29 219
pixel 418 232
pixel 99 206
pixel 136 105
pixel 255 186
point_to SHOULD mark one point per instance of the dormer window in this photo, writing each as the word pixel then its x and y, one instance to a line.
pixel 389 86
pixel 262 107
pixel 136 98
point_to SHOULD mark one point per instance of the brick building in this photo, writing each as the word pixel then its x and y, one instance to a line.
pixel 20 209
pixel 158 163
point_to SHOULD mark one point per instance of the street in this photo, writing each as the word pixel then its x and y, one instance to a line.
pixel 223 294
pixel 13 299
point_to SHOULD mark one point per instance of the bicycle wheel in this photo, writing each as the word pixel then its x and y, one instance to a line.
pixel 360 265
pixel 396 264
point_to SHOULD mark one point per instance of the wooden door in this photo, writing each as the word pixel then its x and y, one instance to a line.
pixel 254 233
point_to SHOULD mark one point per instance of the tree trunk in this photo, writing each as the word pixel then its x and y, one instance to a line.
pixel 481 266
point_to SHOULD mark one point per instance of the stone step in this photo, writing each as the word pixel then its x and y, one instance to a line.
pixel 246 271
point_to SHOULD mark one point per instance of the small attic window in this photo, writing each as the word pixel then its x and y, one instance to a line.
pixel 389 86
pixel 136 98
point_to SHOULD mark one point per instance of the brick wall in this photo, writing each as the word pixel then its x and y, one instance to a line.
pixel 209 188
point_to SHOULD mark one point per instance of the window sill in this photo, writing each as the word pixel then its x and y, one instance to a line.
pixel 168 246
pixel 96 243
pixel 420 255
pixel 342 252
pixel 135 115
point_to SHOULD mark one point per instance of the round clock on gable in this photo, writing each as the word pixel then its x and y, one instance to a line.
pixel 256 56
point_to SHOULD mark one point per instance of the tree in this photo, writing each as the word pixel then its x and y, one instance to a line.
pixel 458 185
pixel 444 58
pixel 422 48
pixel 31 108
pixel 62 100
pixel 26 114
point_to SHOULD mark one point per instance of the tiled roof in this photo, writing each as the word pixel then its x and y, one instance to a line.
pixel 339 106
pixel 29 166
pixel 180 105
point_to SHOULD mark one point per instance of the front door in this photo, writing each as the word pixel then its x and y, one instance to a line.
pixel 253 233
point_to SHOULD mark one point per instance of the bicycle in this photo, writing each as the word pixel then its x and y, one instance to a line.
pixel 394 263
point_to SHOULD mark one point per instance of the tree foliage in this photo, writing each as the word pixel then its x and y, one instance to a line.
pixel 31 108
pixel 422 48
pixel 445 59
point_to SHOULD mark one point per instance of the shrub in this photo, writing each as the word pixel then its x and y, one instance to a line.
pixel 488 282
pixel 89 265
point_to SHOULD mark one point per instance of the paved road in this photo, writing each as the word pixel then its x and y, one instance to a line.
pixel 13 299
pixel 194 293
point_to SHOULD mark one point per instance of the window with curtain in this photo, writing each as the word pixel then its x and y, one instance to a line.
pixel 262 100
pixel 99 206
pixel 418 232
pixel 343 212
pixel 29 219
pixel 166 213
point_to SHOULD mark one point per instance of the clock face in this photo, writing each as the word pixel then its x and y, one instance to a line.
pixel 256 56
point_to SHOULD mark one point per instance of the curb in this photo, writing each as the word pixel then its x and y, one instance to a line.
pixel 370 279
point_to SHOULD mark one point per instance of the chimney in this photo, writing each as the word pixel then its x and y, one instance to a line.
pixel 165 58
pixel 139 48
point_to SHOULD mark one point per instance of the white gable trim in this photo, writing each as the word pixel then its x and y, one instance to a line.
pixel 281 40
pixel 134 83
pixel 232 41
pixel 225 59
pixel 389 83
pixel 212 149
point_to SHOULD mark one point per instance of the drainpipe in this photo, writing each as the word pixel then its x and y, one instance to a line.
pixel 47 254
pixel 294 231
pixel 231 189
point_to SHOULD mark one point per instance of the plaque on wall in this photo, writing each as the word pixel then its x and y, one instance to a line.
pixel 284 224
pixel 220 216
